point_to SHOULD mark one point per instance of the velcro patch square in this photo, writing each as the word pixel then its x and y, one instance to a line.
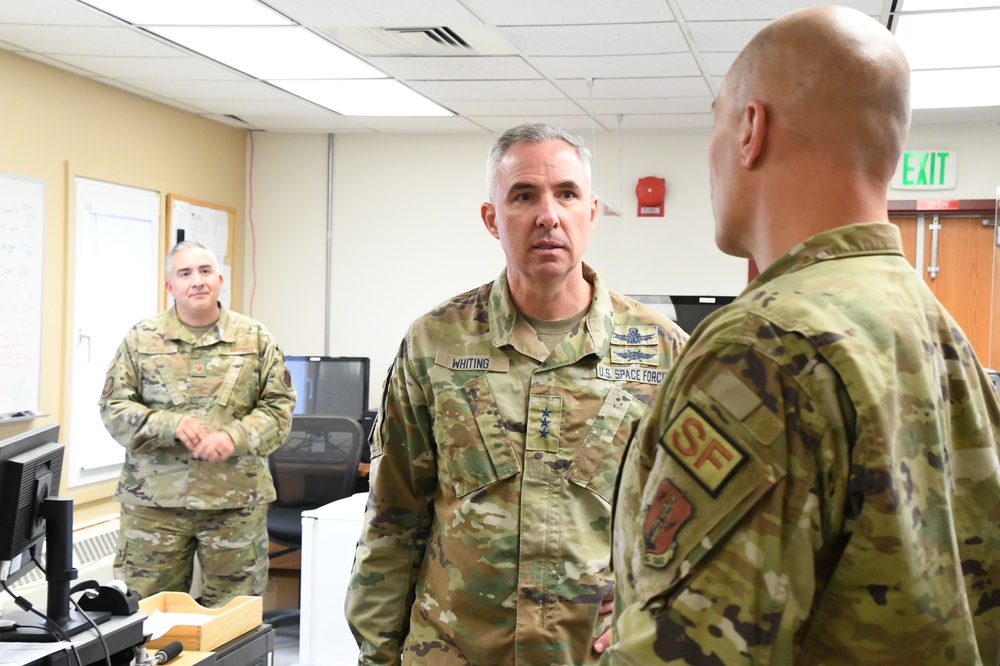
pixel 707 455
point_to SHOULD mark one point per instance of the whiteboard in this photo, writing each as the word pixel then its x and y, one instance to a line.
pixel 22 253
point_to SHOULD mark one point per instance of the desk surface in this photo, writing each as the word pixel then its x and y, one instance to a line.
pixel 120 632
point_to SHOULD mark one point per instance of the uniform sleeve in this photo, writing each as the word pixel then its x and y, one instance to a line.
pixel 267 426
pixel 132 424
pixel 724 500
pixel 397 519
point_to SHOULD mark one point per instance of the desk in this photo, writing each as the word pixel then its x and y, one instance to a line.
pixel 121 633
pixel 329 536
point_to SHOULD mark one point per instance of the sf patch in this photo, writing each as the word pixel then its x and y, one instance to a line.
pixel 704 452
pixel 665 516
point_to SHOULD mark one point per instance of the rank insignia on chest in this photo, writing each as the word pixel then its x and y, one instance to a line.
pixel 544 415
pixel 704 452
pixel 198 369
pixel 665 516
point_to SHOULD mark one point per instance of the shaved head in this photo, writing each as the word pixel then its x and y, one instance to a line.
pixel 835 79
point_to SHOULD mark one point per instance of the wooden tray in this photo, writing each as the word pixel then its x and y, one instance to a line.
pixel 236 618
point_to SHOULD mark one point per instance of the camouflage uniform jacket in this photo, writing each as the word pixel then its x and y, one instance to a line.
pixel 233 378
pixel 818 480
pixel 487 537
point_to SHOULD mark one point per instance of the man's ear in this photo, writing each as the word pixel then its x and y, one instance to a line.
pixel 753 133
pixel 488 212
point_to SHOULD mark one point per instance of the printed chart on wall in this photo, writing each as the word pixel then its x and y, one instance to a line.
pixel 22 222
pixel 209 224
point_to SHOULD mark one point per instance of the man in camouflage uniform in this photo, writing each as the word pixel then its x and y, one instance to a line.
pixel 818 480
pixel 198 396
pixel 487 537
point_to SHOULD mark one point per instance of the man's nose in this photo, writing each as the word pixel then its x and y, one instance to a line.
pixel 548 213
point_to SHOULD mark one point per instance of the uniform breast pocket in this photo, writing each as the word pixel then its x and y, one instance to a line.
pixel 240 381
pixel 595 466
pixel 158 369
pixel 470 433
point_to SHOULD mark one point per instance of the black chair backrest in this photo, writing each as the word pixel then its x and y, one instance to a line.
pixel 318 463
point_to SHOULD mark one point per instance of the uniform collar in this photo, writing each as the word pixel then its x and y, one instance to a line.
pixel 222 331
pixel 598 322
pixel 854 240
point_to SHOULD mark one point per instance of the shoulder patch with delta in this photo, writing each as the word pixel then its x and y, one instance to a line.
pixel 702 450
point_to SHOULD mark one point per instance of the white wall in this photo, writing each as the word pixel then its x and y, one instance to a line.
pixel 407 232
pixel 286 230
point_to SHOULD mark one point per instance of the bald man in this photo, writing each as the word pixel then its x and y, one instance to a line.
pixel 818 480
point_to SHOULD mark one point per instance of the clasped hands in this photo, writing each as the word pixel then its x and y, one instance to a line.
pixel 215 447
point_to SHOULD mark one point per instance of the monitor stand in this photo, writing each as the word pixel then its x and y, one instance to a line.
pixel 62 621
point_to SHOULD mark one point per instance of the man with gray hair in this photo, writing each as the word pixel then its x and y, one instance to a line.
pixel 503 420
pixel 198 396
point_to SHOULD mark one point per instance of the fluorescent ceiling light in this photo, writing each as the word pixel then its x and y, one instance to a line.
pixel 952 88
pixel 190 12
pixel 945 5
pixel 371 97
pixel 950 39
pixel 952 52
pixel 272 52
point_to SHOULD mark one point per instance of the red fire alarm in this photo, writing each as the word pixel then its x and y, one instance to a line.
pixel 651 192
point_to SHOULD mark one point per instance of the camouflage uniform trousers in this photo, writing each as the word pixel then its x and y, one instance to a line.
pixel 156 549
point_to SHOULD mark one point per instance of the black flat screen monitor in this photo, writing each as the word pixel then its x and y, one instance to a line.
pixel 32 513
pixel 330 385
pixel 687 311
pixel 30 469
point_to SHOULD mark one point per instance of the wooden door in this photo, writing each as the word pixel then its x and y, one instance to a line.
pixel 957 258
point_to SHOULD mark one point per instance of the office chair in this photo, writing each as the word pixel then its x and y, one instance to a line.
pixel 316 465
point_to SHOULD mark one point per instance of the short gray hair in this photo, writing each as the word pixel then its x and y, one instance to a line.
pixel 530 133
pixel 187 245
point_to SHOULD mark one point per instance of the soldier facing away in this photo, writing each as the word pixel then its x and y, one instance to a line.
pixel 198 396
pixel 504 417
pixel 818 481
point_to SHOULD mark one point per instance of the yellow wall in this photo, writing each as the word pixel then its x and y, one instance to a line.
pixel 55 126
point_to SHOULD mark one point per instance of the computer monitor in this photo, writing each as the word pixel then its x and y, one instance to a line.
pixel 30 469
pixel 687 311
pixel 330 385
pixel 31 513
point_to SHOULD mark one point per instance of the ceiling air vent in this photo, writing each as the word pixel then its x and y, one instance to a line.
pixel 443 36
pixel 465 40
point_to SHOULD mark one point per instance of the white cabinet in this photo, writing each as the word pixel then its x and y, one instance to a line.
pixel 329 535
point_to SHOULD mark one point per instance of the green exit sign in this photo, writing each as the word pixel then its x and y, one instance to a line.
pixel 926 170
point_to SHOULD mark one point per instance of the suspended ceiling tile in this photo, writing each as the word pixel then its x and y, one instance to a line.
pixel 505 12
pixel 193 90
pixel 577 123
pixel 639 87
pixel 388 124
pixel 285 107
pixel 94 41
pixel 301 123
pixel 718 63
pixel 375 13
pixel 622 66
pixel 724 36
pixel 56 63
pixel 684 105
pixel 597 40
pixel 484 90
pixel 179 68
pixel 724 10
pixel 51 12
pixel 515 107
pixel 667 121
pixel 457 68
